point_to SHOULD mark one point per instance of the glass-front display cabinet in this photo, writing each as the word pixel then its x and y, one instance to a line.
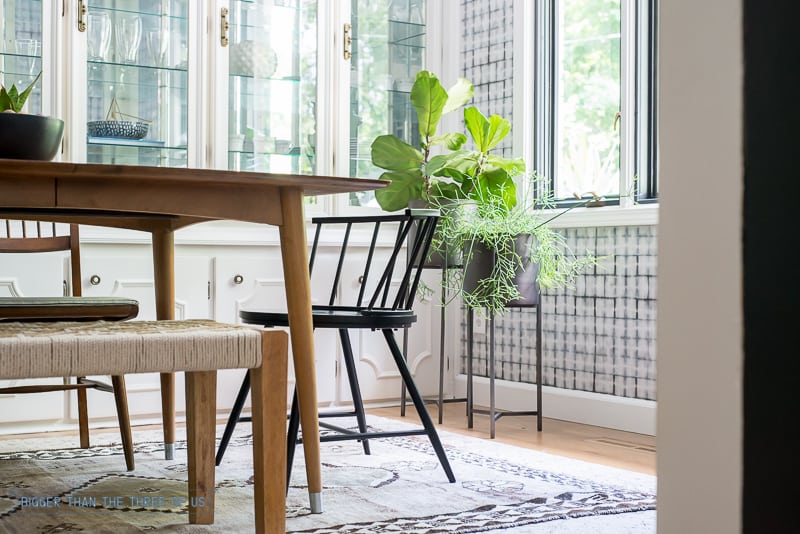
pixel 295 86
pixel 388 50
pixel 21 48
pixel 137 102
pixel 270 110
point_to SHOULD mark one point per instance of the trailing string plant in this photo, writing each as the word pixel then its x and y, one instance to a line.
pixel 489 227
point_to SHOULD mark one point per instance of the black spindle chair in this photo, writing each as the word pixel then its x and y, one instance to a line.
pixel 387 306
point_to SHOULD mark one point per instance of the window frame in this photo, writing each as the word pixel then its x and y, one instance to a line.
pixel 638 84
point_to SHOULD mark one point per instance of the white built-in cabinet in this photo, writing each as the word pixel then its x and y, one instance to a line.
pixel 297 86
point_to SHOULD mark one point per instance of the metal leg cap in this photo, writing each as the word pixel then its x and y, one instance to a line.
pixel 316 502
pixel 169 451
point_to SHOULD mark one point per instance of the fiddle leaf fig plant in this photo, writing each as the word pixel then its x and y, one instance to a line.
pixel 11 100
pixel 407 167
pixel 456 173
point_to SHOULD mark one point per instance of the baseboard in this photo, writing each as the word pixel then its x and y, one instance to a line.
pixel 608 411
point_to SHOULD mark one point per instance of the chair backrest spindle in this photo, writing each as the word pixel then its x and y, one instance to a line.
pixel 396 273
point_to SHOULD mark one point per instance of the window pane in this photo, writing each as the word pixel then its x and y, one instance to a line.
pixel 588 98
pixel 388 51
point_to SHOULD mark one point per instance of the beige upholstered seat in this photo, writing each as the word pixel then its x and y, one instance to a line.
pixel 199 347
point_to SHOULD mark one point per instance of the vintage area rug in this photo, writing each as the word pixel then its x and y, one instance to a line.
pixel 51 486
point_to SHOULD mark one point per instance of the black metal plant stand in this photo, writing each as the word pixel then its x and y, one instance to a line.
pixel 492 412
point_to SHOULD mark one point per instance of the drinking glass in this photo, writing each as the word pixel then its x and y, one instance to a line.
pixel 99 38
pixel 32 49
pixel 129 36
pixel 157 45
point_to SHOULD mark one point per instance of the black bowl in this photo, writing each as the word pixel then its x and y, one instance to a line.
pixel 25 136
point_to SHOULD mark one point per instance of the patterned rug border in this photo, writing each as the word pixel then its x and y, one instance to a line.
pixel 590 495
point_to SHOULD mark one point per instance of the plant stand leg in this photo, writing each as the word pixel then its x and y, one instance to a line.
pixel 492 416
pixel 539 365
pixel 469 370
pixel 440 400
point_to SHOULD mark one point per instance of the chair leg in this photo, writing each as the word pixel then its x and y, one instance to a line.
pixel 121 400
pixel 419 403
pixel 83 417
pixel 355 388
pixel 291 437
pixel 233 418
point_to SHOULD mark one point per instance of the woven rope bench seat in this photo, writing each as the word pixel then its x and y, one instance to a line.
pixel 198 347
pixel 50 349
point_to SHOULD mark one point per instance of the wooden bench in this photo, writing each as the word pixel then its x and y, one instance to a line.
pixel 198 347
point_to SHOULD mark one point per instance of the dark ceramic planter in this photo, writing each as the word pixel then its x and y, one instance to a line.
pixel 25 136
pixel 438 259
pixel 481 263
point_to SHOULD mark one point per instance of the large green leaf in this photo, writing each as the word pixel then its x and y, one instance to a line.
pixel 453 141
pixel 428 97
pixel 513 167
pixel 458 95
pixel 477 126
pixel 393 154
pixel 499 128
pixel 441 190
pixel 495 187
pixel 486 133
pixel 404 186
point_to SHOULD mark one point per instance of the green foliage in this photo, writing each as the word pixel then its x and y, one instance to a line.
pixel 496 228
pixel 12 99
pixel 457 173
pixel 408 168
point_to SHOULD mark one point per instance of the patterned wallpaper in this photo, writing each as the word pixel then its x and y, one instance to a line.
pixel 600 335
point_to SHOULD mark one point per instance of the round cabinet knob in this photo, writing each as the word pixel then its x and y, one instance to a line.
pixel 94 280
pixel 238 279
pixel 361 279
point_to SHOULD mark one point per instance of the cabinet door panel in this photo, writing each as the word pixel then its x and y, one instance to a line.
pixel 378 375
pixel 138 82
pixel 271 88
pixel 256 282
pixel 33 275
pixel 124 273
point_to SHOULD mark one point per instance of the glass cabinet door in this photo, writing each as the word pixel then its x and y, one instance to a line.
pixel 137 108
pixel 272 86
pixel 388 51
pixel 21 48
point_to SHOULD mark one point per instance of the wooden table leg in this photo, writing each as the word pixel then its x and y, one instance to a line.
pixel 268 392
pixel 201 419
pixel 164 277
pixel 298 299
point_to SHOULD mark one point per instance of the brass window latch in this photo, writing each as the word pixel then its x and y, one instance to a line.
pixel 348 41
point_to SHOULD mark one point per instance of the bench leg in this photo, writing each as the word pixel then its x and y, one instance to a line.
pixel 124 418
pixel 201 411
pixel 268 393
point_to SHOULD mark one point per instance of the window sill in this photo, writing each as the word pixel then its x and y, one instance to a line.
pixel 644 214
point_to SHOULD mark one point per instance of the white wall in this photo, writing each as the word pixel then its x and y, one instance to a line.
pixel 700 354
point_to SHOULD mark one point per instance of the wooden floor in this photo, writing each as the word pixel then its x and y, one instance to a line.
pixel 626 450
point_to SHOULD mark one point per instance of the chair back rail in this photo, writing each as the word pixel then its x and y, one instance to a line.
pixel 386 294
pixel 35 236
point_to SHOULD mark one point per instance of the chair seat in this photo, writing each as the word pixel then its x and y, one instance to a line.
pixel 337 317
pixel 67 308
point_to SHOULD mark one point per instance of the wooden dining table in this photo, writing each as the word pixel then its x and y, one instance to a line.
pixel 161 200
